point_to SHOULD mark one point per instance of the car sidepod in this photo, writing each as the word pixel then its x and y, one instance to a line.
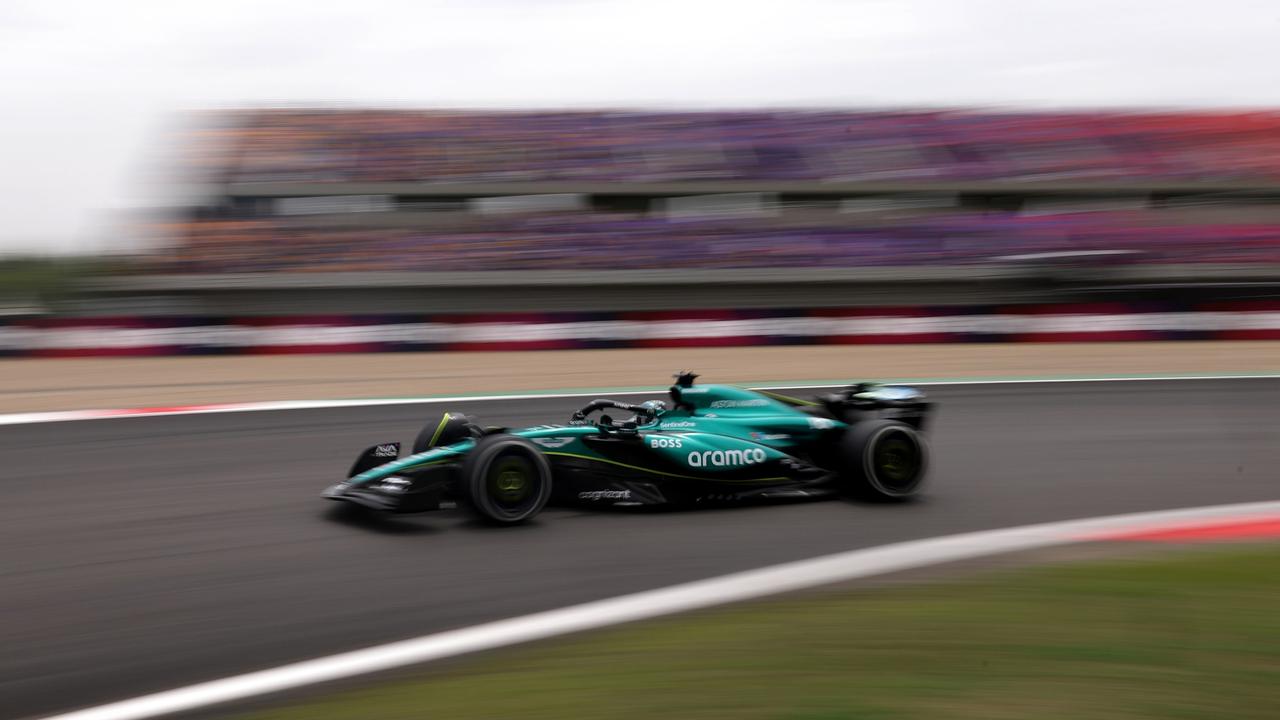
pixel 661 468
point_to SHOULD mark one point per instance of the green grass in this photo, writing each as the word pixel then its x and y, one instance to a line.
pixel 1194 635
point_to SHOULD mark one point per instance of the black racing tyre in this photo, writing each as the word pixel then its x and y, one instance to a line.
pixel 505 480
pixel 449 429
pixel 883 459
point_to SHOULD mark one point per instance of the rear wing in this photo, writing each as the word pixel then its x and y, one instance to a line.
pixel 895 402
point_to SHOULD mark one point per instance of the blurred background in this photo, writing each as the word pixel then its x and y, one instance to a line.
pixel 412 157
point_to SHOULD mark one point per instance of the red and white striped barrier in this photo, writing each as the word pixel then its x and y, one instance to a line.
pixel 537 331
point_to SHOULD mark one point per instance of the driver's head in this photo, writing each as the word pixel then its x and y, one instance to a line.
pixel 657 407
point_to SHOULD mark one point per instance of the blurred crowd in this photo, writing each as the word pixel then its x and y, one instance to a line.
pixel 408 230
pixel 595 241
pixel 388 145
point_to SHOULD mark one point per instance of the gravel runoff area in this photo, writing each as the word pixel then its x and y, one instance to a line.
pixel 29 385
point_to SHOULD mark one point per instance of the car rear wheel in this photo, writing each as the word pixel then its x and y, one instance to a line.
pixel 884 459
pixel 505 480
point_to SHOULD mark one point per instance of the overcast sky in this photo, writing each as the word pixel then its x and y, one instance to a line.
pixel 88 89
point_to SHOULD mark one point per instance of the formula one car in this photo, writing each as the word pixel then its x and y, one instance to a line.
pixel 711 444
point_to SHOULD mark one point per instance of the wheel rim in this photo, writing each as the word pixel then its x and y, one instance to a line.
pixel 896 461
pixel 512 485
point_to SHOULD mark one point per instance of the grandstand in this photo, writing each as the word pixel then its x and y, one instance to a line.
pixel 370 193
pixel 936 149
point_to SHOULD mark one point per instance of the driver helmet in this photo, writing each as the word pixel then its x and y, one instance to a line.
pixel 657 407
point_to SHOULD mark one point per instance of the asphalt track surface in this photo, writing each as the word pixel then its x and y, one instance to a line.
pixel 142 554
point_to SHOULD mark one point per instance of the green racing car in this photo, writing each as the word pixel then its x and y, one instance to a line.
pixel 709 444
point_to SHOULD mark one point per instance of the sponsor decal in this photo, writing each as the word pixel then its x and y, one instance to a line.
pixel 553 442
pixel 677 424
pixel 605 495
pixel 818 423
pixel 391 450
pixel 394 485
pixel 658 441
pixel 769 436
pixel 895 392
pixel 726 458
pixel 739 403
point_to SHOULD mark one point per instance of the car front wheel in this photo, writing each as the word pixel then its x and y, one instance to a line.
pixel 505 480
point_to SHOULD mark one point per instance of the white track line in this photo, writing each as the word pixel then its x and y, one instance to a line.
pixel 678 598
pixel 276 405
